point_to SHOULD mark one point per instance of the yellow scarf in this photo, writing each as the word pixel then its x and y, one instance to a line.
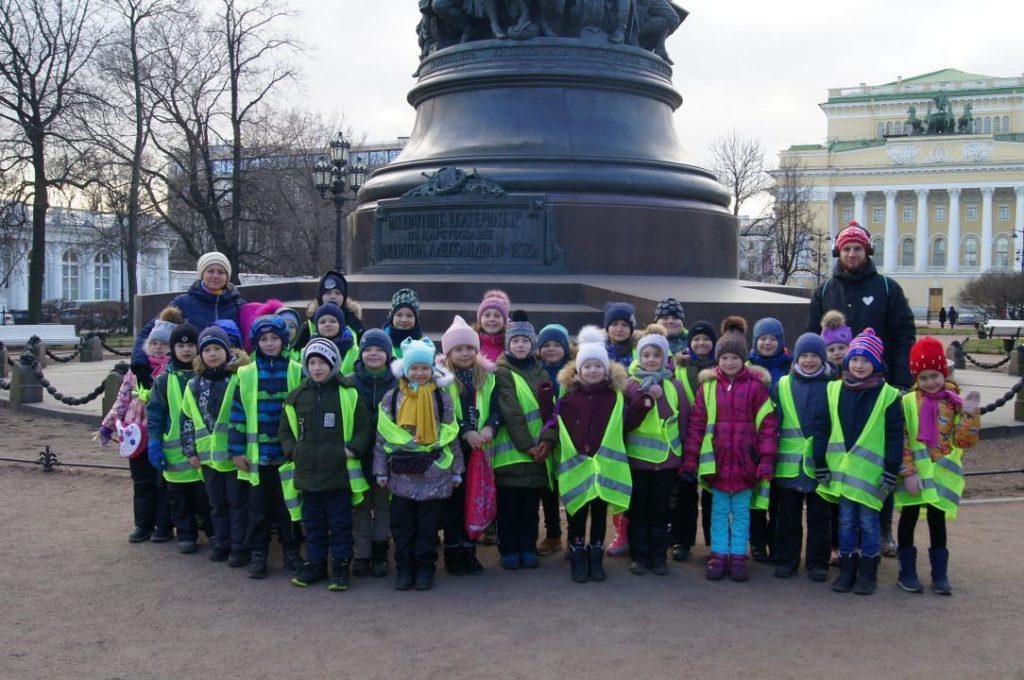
pixel 416 412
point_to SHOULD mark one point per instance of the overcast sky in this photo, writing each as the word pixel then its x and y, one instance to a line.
pixel 760 68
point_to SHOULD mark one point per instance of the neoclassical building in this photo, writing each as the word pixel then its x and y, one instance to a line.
pixel 941 207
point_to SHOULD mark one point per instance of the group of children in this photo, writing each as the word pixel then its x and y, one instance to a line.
pixel 364 437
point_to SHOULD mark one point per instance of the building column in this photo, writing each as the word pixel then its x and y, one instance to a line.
pixel 1018 225
pixel 891 247
pixel 858 207
pixel 921 237
pixel 832 214
pixel 953 249
pixel 986 228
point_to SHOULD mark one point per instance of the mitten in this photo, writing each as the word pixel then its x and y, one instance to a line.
pixel 143 374
pixel 158 460
pixel 821 474
pixel 913 484
pixel 765 471
pixel 972 401
pixel 888 484
pixel 105 433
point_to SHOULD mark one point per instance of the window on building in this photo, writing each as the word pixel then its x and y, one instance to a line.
pixel 1004 213
pixel 1006 123
pixel 888 128
pixel 878 245
pixel 988 125
pixel 877 215
pixel 908 214
pixel 939 252
pixel 996 124
pixel 1002 252
pixel 847 214
pixel 907 252
pixel 940 213
pixel 881 130
pixel 101 277
pixel 900 130
pixel 972 213
pixel 69 275
pixel 970 258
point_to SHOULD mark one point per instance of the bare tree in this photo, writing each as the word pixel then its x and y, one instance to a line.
pixel 791 222
pixel 999 295
pixel 738 163
pixel 14 231
pixel 44 45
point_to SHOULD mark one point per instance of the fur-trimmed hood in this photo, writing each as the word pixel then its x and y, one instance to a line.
pixel 442 376
pixel 236 359
pixel 568 377
pixel 760 373
pixel 351 307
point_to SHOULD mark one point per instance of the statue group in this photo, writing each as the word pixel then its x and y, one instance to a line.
pixel 643 23
pixel 942 121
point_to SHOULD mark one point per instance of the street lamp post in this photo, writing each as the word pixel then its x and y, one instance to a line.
pixel 337 178
pixel 818 256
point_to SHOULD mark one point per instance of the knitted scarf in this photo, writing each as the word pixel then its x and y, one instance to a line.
pixel 872 382
pixel 416 412
pixel 648 378
pixel 928 423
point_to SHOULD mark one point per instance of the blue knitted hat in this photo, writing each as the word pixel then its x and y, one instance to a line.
pixel 619 311
pixel 415 352
pixel 810 343
pixel 375 337
pixel 554 332
pixel 773 327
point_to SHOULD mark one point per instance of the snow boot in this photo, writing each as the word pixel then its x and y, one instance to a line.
pixel 908 579
pixel 847 573
pixel 595 562
pixel 258 564
pixel 738 568
pixel 379 559
pixel 312 572
pixel 620 544
pixel 717 566
pixel 578 563
pixel 867 575
pixel 339 575
pixel 939 558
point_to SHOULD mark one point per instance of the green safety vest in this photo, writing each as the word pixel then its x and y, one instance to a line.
pixel 706 465
pixel 656 438
pixel 943 479
pixel 483 403
pixel 796 450
pixel 248 388
pixel 857 474
pixel 684 380
pixel 396 439
pixel 178 469
pixel 212 447
pixel 356 480
pixel 505 452
pixel 604 475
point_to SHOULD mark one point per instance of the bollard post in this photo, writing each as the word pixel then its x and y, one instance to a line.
pixel 25 386
pixel 955 351
pixel 38 350
pixel 3 361
pixel 1018 407
pixel 1016 365
pixel 92 350
pixel 112 384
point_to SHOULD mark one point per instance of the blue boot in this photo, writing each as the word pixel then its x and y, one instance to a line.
pixel 907 578
pixel 940 563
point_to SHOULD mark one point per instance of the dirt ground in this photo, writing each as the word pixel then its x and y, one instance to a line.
pixel 79 601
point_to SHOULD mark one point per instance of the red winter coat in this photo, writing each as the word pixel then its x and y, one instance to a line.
pixel 738 446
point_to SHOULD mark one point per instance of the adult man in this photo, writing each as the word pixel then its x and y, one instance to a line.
pixel 869 300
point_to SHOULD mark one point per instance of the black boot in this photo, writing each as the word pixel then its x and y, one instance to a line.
pixel 638 548
pixel 361 567
pixel 293 560
pixel 939 558
pixel 424 577
pixel 379 559
pixel 239 558
pixel 339 575
pixel 908 579
pixel 140 534
pixel 595 563
pixel 311 573
pixel 403 578
pixel 847 573
pixel 473 565
pixel 867 575
pixel 454 561
pixel 658 550
pixel 258 565
pixel 578 563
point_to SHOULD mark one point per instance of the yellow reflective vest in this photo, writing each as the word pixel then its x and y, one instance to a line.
pixel 604 475
pixel 796 448
pixel 655 439
pixel 248 389
pixel 178 470
pixel 211 447
pixel 942 479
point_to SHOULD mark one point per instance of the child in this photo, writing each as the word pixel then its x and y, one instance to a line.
pixel 700 355
pixel 415 460
pixel 235 340
pixel 553 352
pixel 491 320
pixel 255 417
pixel 520 470
pixel 330 324
pixel 837 337
pixel 403 319
pixel 800 399
pixel 333 288
pixel 619 324
pixel 655 451
pixel 669 315
pixel 149 502
pixel 940 425
pixel 371 520
pixel 326 452
pixel 186 495
pixel 479 418
pixel 732 431
pixel 857 457
pixel 205 422
pixel 588 428
pixel 293 323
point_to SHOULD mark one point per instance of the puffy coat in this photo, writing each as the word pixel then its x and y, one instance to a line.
pixel 738 445
pixel 524 475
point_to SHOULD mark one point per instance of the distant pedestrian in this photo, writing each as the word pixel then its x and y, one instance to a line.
pixel 952 316
pixel 942 317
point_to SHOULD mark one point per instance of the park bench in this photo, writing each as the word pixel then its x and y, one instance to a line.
pixel 1002 328
pixel 50 334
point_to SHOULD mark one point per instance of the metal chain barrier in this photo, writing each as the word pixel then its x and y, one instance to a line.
pixel 5 384
pixel 1005 398
pixel 30 360
pixel 980 364
pixel 113 350
pixel 65 359
pixel 48 460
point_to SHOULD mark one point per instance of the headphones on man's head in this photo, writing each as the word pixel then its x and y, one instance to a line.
pixel 869 249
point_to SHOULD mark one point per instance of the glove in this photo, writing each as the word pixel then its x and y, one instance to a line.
pixel 143 375
pixel 972 401
pixel 888 484
pixel 158 461
pixel 105 433
pixel 913 484
pixel 688 473
pixel 765 471
pixel 821 474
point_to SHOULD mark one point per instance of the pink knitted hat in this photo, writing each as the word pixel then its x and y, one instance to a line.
pixel 494 299
pixel 459 333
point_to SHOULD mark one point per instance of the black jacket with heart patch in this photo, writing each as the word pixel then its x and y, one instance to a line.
pixel 870 300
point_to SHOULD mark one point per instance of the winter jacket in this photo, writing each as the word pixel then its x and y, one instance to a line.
pixel 777 366
pixel 126 406
pixel 585 409
pixel 319 450
pixel 467 400
pixel 353 317
pixel 435 483
pixel 210 389
pixel 372 388
pixel 854 410
pixel 158 422
pixel 962 434
pixel 492 346
pixel 621 354
pixel 521 475
pixel 272 386
pixel 738 445
pixel 870 300
pixel 199 307
pixel 810 397
pixel 633 395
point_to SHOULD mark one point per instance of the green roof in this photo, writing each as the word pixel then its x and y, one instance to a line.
pixel 946 75
pixel 855 144
pixel 957 79
pixel 806 147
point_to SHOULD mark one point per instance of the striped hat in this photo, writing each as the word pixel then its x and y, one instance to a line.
pixel 867 345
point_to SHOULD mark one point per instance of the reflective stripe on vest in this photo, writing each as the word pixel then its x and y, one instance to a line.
pixel 684 380
pixel 857 474
pixel 248 389
pixel 943 479
pixel 396 439
pixel 655 438
pixel 178 469
pixel 211 447
pixel 795 449
pixel 348 398
pixel 706 461
pixel 605 475
pixel 505 451
pixel 483 405
pixel 348 362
